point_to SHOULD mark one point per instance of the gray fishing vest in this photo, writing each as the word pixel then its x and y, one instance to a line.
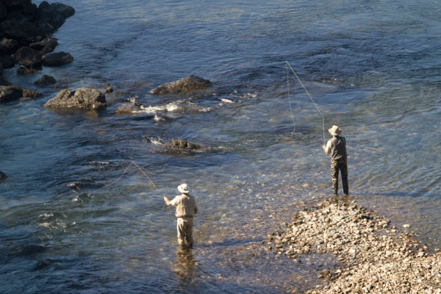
pixel 338 148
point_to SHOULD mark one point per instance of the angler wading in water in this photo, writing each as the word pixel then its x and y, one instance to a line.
pixel 339 159
pixel 186 208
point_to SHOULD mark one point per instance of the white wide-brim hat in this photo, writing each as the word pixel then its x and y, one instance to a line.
pixel 335 131
pixel 184 188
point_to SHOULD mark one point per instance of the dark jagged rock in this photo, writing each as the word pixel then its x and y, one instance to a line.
pixel 3 11
pixel 182 144
pixel 82 98
pixel 7 61
pixel 23 30
pixel 28 57
pixel 10 93
pixel 45 46
pixel 2 176
pixel 55 14
pixel 183 85
pixel 8 46
pixel 45 80
pixel 57 59
pixel 13 93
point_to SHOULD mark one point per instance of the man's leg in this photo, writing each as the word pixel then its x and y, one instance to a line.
pixel 189 231
pixel 344 176
pixel 334 174
pixel 181 230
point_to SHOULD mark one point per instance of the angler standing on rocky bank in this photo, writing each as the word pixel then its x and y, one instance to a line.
pixel 339 159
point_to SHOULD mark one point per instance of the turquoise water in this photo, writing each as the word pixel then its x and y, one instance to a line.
pixel 373 68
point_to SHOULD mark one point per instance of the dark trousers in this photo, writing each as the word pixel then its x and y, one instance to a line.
pixel 342 166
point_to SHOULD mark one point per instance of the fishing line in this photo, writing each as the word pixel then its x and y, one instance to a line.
pixel 289 65
pixel 141 171
pixel 289 99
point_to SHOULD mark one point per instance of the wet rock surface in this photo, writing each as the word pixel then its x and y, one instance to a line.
pixel 2 176
pixel 82 98
pixel 373 255
pixel 45 80
pixel 26 34
pixel 13 93
pixel 57 59
pixel 181 145
pixel 183 85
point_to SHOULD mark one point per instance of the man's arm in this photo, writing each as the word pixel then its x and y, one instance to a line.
pixel 167 202
pixel 327 148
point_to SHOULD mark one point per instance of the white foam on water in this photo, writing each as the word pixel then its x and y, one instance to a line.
pixel 226 100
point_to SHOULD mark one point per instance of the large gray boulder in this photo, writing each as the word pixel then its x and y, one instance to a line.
pixel 183 85
pixel 82 98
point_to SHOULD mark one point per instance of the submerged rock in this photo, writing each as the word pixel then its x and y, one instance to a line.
pixel 2 176
pixel 183 85
pixel 57 59
pixel 45 80
pixel 128 108
pixel 182 145
pixel 82 98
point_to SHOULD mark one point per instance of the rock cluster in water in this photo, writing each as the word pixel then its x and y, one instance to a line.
pixel 374 256
pixel 26 37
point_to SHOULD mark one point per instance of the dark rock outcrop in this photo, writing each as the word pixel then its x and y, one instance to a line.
pixel 82 98
pixel 28 57
pixel 10 93
pixel 2 174
pixel 183 85
pixel 13 93
pixel 8 46
pixel 182 145
pixel 25 27
pixel 45 46
pixel 45 80
pixel 57 59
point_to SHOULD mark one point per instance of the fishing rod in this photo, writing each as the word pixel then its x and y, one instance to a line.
pixel 142 172
pixel 323 117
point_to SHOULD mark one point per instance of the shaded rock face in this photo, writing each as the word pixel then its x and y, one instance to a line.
pixel 28 57
pixel 45 46
pixel 2 176
pixel 82 98
pixel 23 24
pixel 10 93
pixel 182 145
pixel 183 85
pixel 57 59
pixel 45 80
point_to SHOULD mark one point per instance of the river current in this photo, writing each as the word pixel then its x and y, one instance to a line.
pixel 372 67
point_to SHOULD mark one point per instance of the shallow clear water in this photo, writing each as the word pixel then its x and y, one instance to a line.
pixel 371 66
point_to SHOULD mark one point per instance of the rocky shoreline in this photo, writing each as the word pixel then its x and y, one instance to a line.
pixel 26 39
pixel 373 255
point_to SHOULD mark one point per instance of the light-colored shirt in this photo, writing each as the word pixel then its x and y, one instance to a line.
pixel 185 205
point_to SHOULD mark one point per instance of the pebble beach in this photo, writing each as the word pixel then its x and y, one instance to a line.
pixel 373 255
